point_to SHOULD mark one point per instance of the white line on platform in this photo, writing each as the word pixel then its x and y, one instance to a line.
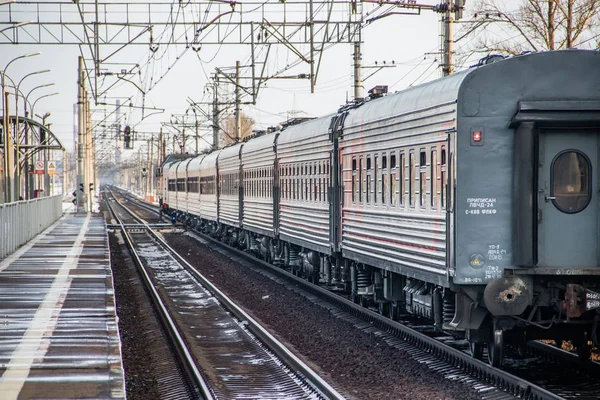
pixel 35 341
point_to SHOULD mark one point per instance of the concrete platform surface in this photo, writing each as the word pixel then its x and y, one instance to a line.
pixel 58 325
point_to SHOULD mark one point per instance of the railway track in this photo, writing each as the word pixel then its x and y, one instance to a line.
pixel 226 353
pixel 540 371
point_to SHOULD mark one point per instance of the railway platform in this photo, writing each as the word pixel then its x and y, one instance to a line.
pixel 59 336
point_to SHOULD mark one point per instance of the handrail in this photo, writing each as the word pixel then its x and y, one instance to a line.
pixel 22 220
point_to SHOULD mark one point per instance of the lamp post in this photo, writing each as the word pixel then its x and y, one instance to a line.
pixel 18 132
pixel 26 101
pixel 43 118
pixel 18 25
pixel 39 98
pixel 8 161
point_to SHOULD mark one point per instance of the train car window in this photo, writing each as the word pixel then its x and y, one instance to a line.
pixel 383 178
pixel 571 177
pixel 411 178
pixel 402 178
pixel 369 177
pixel 305 184
pixel 434 179
pixel 443 175
pixel 422 189
pixel 354 180
pixel 360 179
pixel 181 184
pixel 375 175
pixel 393 182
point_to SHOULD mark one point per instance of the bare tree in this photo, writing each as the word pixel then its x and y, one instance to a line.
pixel 228 129
pixel 537 25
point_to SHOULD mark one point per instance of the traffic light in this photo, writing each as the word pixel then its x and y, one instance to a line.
pixel 81 187
pixel 91 187
pixel 1 136
pixel 144 173
pixel 127 136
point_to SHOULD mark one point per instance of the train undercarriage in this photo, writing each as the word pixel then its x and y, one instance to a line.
pixel 561 310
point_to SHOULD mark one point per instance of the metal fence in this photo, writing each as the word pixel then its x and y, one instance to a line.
pixel 23 220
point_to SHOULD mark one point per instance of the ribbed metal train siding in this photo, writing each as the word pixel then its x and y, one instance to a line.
pixel 208 202
pixel 193 171
pixel 305 222
pixel 258 212
pixel 229 205
pixel 402 238
pixel 171 199
pixel 183 197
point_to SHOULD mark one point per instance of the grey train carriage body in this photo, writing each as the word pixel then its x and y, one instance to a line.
pixel 471 200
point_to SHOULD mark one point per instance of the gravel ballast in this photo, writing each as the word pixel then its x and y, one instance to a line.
pixel 359 364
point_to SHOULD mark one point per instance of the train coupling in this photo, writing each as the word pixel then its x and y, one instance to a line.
pixel 579 300
pixel 508 296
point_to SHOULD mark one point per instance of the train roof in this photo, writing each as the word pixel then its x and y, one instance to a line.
pixel 306 130
pixel 194 164
pixel 259 143
pixel 231 151
pixel 451 88
pixel 443 90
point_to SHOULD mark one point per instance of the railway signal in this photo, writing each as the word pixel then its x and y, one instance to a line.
pixel 127 137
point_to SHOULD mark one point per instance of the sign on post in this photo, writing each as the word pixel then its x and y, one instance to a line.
pixel 39 167
pixel 51 168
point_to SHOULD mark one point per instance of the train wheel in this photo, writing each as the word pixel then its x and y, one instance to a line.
pixel 383 308
pixel 584 350
pixel 393 311
pixel 496 348
pixel 476 350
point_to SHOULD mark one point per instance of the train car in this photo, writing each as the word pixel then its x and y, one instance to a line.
pixel 303 222
pixel 209 206
pixel 170 173
pixel 393 154
pixel 193 185
pixel 230 195
pixel 184 197
pixel 261 193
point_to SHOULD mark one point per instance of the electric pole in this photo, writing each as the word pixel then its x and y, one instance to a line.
pixel 238 116
pixel 447 41
pixel 215 115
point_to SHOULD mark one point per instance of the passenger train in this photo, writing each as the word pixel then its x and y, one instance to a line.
pixel 472 200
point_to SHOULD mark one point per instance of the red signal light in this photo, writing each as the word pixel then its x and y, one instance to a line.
pixel 477 136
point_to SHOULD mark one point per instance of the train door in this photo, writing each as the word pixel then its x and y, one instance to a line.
pixel 568 198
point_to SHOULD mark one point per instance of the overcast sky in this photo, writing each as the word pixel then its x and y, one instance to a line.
pixel 411 41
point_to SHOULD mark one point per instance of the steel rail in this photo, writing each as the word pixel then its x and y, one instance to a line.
pixel 165 316
pixel 311 377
